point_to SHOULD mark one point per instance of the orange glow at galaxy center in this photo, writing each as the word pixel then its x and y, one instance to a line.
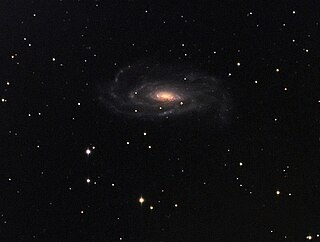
pixel 165 96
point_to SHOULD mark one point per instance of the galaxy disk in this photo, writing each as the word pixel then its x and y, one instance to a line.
pixel 154 91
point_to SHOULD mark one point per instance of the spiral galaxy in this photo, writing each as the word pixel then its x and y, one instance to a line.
pixel 154 91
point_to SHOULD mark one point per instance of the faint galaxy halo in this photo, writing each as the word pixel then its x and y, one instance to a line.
pixel 152 91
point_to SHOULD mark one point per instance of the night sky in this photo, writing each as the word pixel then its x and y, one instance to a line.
pixel 235 157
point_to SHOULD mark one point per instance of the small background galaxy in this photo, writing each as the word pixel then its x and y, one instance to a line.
pixel 238 160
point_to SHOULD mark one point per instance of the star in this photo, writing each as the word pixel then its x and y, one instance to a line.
pixel 309 237
pixel 88 151
pixel 141 200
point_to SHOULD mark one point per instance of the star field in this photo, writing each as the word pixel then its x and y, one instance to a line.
pixel 84 156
